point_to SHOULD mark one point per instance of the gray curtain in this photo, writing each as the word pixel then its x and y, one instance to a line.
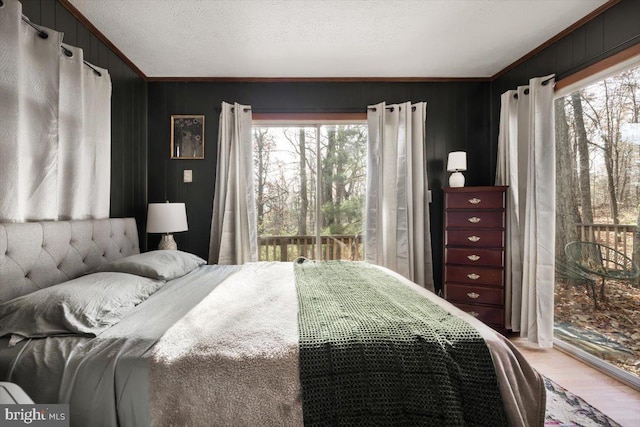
pixel 234 233
pixel 397 229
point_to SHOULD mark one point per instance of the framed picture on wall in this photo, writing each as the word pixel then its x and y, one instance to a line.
pixel 187 136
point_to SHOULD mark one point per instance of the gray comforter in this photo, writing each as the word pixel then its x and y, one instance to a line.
pixel 216 347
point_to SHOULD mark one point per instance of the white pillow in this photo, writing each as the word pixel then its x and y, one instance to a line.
pixel 87 305
pixel 161 264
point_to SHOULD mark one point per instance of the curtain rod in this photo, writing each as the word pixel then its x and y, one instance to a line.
pixel 544 83
pixel 43 35
pixel 389 108
pixel 244 109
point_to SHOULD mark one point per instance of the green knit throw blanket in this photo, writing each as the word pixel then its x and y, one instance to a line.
pixel 375 352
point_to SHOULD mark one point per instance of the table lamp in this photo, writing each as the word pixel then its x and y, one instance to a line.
pixel 457 162
pixel 167 218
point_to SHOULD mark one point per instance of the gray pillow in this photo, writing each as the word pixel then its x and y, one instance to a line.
pixel 162 264
pixel 86 305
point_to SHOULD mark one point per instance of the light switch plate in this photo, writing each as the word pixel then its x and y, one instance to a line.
pixel 187 176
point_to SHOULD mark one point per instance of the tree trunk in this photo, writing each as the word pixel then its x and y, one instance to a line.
pixel 339 178
pixel 327 178
pixel 260 154
pixel 304 200
pixel 583 153
pixel 608 138
pixel 567 215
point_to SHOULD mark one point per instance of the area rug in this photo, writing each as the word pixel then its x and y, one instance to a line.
pixel 565 409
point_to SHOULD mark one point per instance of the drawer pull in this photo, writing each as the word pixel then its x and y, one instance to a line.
pixel 473 295
pixel 473 257
pixel 474 220
pixel 474 201
pixel 473 313
pixel 473 238
pixel 473 276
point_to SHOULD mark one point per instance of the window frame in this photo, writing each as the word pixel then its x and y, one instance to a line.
pixel 614 64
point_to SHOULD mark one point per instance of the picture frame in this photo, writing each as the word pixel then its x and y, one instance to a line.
pixel 187 136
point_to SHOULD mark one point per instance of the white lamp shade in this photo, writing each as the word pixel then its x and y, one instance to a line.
pixel 166 218
pixel 457 161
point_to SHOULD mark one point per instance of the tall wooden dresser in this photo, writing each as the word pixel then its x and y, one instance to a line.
pixel 474 239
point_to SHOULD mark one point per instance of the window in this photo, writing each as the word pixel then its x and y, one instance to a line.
pixel 309 182
pixel 598 201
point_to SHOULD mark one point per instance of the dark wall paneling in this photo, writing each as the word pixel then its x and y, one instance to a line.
pixel 117 132
pixel 457 118
pixel 95 49
pixel 84 41
pixel 64 19
pixel 611 32
pixel 128 110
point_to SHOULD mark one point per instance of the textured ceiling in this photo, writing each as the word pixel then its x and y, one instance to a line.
pixel 329 38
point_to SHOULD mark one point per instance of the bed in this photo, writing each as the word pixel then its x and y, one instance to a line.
pixel 194 344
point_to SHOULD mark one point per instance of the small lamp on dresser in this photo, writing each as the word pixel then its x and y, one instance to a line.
pixel 167 218
pixel 457 162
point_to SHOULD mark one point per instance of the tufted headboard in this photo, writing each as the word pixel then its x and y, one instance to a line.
pixel 35 255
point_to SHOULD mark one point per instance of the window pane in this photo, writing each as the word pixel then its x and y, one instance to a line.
pixel 598 204
pixel 284 180
pixel 343 172
pixel 286 172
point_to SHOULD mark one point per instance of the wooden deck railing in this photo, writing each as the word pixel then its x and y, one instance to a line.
pixel 616 236
pixel 288 248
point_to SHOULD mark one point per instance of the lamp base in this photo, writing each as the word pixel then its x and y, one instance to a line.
pixel 456 180
pixel 167 242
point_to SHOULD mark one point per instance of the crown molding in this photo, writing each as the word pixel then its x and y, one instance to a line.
pixel 83 19
pixel 555 38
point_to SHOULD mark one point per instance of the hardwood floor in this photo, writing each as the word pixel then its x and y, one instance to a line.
pixel 619 401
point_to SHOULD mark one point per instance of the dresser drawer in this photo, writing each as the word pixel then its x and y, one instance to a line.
pixel 484 257
pixel 486 314
pixel 473 294
pixel 474 238
pixel 473 275
pixel 475 219
pixel 474 200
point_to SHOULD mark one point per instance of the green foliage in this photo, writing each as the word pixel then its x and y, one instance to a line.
pixel 349 215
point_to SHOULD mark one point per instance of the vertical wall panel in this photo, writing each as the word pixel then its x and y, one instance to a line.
pixel 564 53
pixel 31 9
pixel 594 37
pixel 95 49
pixel 621 24
pixel 48 14
pixel 84 41
pixel 578 47
pixel 64 19
pixel 117 131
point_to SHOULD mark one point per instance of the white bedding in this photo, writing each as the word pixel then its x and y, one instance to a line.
pixel 245 371
pixel 215 347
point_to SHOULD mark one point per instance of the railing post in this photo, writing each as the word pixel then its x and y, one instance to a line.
pixel 283 251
